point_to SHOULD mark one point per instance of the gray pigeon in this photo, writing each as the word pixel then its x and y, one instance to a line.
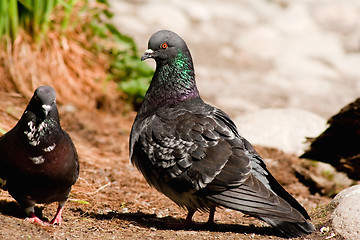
pixel 192 152
pixel 39 162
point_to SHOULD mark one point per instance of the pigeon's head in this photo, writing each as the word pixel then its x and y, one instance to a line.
pixel 43 101
pixel 174 77
pixel 164 46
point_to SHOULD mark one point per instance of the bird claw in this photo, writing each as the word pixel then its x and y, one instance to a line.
pixel 35 219
pixel 56 221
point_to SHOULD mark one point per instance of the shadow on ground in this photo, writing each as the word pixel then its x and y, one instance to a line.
pixel 169 223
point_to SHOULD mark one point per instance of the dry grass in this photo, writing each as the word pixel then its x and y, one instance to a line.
pixel 63 60
pixel 74 72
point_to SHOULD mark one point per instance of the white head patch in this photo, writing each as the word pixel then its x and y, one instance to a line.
pixel 46 108
pixel 38 160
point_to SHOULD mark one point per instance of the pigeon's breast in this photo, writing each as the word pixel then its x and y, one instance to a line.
pixel 34 133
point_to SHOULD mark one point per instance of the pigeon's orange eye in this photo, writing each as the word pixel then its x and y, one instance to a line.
pixel 164 45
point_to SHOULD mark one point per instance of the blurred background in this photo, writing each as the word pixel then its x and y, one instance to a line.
pixel 260 53
pixel 301 56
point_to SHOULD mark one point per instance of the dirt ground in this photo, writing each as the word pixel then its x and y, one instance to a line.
pixel 111 200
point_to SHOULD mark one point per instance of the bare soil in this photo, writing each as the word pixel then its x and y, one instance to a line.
pixel 111 200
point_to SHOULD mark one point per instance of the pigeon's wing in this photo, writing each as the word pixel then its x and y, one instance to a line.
pixel 257 194
pixel 10 146
pixel 73 159
pixel 260 195
pixel 188 149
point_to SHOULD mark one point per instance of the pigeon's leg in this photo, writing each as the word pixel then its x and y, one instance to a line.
pixel 211 221
pixel 30 211
pixel 188 221
pixel 57 219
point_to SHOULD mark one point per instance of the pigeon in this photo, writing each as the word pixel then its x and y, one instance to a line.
pixel 193 153
pixel 339 143
pixel 38 161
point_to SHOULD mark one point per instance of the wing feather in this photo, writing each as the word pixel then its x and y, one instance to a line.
pixel 199 148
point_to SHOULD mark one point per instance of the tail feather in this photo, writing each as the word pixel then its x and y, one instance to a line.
pixel 291 229
pixel 277 209
pixel 280 211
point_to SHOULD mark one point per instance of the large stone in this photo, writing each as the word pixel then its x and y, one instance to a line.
pixel 345 218
pixel 285 129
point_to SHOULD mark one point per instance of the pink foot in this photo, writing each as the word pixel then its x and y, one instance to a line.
pixel 57 219
pixel 34 219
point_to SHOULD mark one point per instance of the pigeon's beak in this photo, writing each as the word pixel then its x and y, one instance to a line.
pixel 148 54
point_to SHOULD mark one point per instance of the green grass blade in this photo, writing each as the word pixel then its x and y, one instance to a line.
pixel 45 21
pixel 27 4
pixel 14 18
pixel 3 18
pixel 38 12
pixel 68 6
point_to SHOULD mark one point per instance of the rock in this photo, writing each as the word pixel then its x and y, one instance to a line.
pixel 322 177
pixel 285 129
pixel 345 218
pixel 341 196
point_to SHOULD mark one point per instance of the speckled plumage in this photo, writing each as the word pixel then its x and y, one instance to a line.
pixel 38 161
pixel 193 153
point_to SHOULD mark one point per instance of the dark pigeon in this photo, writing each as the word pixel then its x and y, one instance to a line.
pixel 38 161
pixel 193 153
pixel 339 143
